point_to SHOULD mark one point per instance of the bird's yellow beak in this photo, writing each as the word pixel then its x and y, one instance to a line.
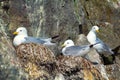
pixel 15 33
pixel 97 31
pixel 63 45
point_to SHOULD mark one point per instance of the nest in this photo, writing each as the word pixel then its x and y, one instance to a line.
pixel 35 53
pixel 40 63
pixel 36 59
pixel 77 68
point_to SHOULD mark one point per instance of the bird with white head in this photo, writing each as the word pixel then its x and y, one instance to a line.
pixel 101 47
pixel 70 49
pixel 22 37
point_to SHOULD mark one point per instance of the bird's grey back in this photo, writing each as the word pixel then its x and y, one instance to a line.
pixel 76 50
pixel 34 40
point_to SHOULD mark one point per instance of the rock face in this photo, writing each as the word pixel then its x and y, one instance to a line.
pixel 9 64
pixel 66 18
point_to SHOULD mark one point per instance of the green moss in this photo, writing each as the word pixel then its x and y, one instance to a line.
pixel 114 1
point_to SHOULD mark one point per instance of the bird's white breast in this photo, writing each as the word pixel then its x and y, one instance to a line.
pixel 63 50
pixel 91 37
pixel 19 40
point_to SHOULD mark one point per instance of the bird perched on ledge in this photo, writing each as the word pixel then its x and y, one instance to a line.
pixel 101 48
pixel 70 49
pixel 104 50
pixel 22 37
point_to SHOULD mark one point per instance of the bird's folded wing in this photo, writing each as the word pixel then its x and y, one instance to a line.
pixel 34 40
pixel 105 47
pixel 76 50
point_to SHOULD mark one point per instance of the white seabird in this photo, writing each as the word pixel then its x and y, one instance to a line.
pixel 22 37
pixel 101 47
pixel 70 49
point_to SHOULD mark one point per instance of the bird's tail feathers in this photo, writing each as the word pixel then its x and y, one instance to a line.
pixel 50 39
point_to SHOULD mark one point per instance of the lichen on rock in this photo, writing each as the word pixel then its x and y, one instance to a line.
pixel 46 18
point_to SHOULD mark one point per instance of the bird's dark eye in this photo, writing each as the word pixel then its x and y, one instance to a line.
pixel 20 30
pixel 67 42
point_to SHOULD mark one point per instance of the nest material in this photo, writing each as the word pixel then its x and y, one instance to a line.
pixel 77 68
pixel 35 53
pixel 40 61
pixel 37 60
pixel 66 63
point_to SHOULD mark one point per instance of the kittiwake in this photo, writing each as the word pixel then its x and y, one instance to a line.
pixel 22 37
pixel 101 47
pixel 70 49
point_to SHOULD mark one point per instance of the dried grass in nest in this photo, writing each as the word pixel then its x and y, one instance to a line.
pixel 35 53
pixel 37 60
pixel 66 63
pixel 36 72
pixel 77 65
pixel 45 61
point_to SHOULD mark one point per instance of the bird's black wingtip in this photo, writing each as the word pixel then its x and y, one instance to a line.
pixel 55 36
pixel 91 46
